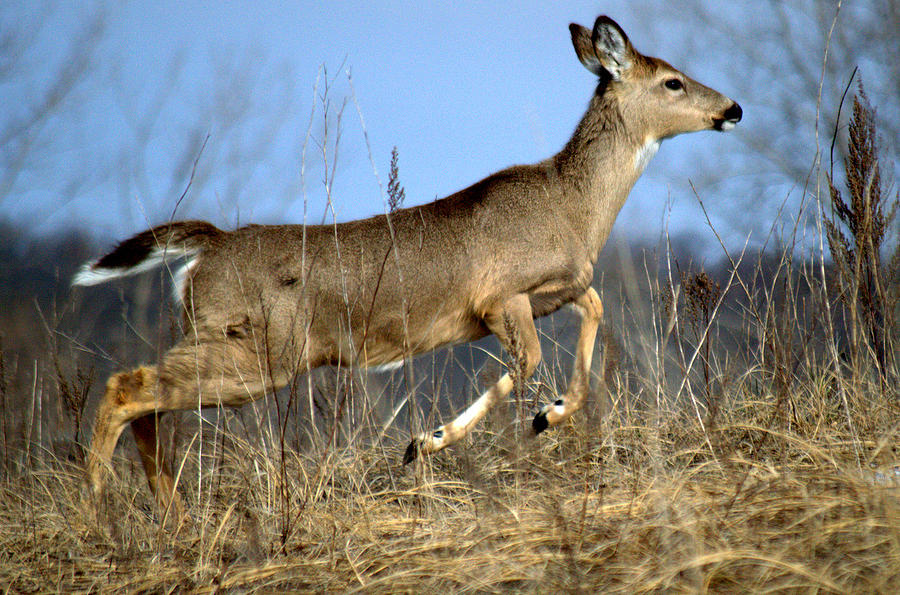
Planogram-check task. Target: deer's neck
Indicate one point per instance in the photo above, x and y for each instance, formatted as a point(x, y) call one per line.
point(599, 166)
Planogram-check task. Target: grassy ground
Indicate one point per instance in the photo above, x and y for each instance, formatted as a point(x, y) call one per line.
point(768, 496)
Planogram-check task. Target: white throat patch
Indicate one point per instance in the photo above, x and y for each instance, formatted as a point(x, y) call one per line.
point(644, 154)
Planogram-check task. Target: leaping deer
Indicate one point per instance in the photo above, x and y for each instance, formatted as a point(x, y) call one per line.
point(264, 303)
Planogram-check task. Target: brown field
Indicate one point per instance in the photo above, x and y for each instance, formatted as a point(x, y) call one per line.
point(765, 500)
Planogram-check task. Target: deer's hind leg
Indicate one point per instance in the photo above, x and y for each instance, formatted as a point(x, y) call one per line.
point(226, 372)
point(122, 389)
point(157, 466)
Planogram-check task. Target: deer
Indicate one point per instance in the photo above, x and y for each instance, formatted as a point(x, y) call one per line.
point(263, 303)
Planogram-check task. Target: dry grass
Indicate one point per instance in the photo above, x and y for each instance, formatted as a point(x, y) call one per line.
point(637, 503)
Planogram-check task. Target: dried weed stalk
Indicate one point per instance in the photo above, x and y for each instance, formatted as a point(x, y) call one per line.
point(856, 233)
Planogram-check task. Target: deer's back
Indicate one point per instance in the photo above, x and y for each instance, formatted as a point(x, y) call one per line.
point(437, 265)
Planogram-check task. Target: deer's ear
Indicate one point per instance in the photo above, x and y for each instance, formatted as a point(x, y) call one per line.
point(584, 48)
point(611, 47)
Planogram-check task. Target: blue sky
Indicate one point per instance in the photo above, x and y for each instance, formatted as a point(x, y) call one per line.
point(462, 89)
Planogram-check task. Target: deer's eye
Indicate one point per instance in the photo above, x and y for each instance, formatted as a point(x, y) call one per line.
point(674, 84)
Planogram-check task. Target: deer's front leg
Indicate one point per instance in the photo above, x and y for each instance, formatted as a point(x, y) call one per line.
point(591, 310)
point(518, 309)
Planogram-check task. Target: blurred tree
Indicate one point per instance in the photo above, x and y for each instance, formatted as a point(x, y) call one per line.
point(168, 136)
point(27, 126)
point(790, 92)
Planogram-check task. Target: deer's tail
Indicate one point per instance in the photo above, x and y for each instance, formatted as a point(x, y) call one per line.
point(150, 249)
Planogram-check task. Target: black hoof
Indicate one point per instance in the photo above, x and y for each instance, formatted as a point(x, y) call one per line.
point(539, 423)
point(412, 451)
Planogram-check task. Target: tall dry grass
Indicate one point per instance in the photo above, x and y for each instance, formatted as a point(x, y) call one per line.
point(645, 499)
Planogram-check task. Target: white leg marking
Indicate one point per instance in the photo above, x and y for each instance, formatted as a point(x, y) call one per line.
point(388, 367)
point(452, 432)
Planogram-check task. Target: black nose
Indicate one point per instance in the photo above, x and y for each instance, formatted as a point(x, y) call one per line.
point(734, 113)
